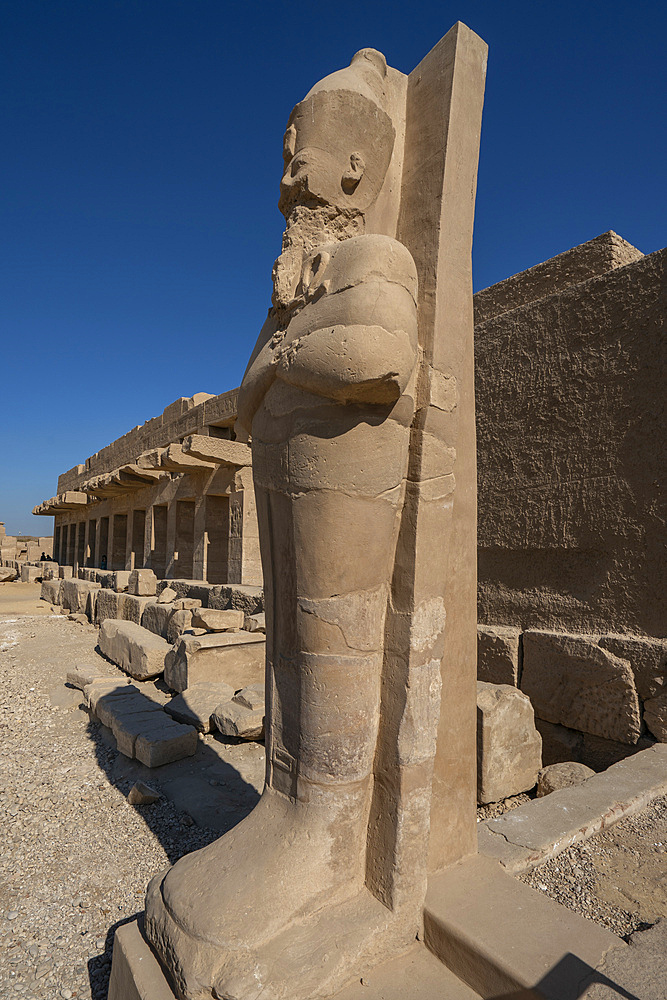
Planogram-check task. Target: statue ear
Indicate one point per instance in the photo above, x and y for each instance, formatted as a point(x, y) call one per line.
point(353, 174)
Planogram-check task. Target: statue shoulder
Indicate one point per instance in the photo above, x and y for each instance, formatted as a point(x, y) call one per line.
point(358, 260)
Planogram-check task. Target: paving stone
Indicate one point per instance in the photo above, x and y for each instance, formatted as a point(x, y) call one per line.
point(509, 747)
point(562, 775)
point(134, 649)
point(196, 705)
point(573, 681)
point(498, 654)
point(214, 620)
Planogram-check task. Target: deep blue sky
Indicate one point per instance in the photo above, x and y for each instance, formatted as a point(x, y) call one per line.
point(139, 179)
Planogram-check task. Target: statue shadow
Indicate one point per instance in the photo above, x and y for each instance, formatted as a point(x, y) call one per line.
point(570, 979)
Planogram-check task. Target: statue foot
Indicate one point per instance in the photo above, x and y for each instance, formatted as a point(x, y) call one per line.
point(277, 907)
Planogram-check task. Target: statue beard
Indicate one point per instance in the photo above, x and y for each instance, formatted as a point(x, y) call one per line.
point(307, 227)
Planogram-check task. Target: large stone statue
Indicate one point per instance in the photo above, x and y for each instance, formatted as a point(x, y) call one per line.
point(327, 875)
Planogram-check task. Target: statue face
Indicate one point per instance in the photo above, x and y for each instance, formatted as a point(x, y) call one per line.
point(337, 149)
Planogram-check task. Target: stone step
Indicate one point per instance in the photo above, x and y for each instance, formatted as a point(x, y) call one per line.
point(504, 939)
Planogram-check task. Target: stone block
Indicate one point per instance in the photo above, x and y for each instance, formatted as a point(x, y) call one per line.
point(143, 583)
point(655, 716)
point(132, 607)
point(178, 622)
point(51, 591)
point(562, 775)
point(65, 572)
point(165, 743)
point(134, 649)
point(233, 719)
point(142, 794)
point(196, 589)
point(250, 600)
point(123, 703)
point(108, 605)
point(647, 658)
point(509, 747)
point(121, 578)
point(167, 596)
point(99, 688)
point(7, 574)
point(79, 596)
point(156, 617)
point(214, 620)
point(236, 658)
point(498, 654)
point(196, 705)
point(127, 727)
point(30, 574)
point(573, 681)
point(50, 571)
point(255, 623)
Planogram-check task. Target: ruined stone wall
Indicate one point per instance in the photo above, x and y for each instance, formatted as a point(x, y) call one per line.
point(187, 415)
point(570, 436)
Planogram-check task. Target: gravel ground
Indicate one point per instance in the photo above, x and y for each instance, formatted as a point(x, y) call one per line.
point(76, 856)
point(617, 878)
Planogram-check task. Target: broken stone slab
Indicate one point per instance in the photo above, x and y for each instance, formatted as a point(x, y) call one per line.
point(248, 599)
point(655, 716)
point(498, 654)
point(573, 681)
point(142, 794)
point(509, 747)
point(647, 658)
point(142, 583)
point(252, 697)
point(236, 658)
point(121, 578)
point(234, 719)
point(167, 596)
point(165, 744)
point(214, 620)
point(255, 623)
point(51, 591)
point(79, 596)
point(7, 574)
point(563, 775)
point(84, 674)
point(134, 649)
point(79, 618)
point(541, 829)
point(178, 622)
point(196, 705)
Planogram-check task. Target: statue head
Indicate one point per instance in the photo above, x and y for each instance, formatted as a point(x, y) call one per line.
point(339, 140)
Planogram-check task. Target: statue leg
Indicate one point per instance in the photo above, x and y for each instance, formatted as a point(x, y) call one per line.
point(218, 914)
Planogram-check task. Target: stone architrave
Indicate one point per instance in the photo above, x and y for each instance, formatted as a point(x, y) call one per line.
point(359, 402)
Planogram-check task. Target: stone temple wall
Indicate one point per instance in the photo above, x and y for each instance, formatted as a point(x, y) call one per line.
point(570, 441)
point(571, 524)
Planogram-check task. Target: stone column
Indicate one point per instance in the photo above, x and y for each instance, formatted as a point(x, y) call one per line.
point(96, 554)
point(148, 537)
point(200, 546)
point(243, 561)
point(86, 541)
point(129, 555)
point(172, 507)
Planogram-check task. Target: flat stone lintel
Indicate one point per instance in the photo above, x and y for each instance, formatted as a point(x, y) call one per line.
point(218, 450)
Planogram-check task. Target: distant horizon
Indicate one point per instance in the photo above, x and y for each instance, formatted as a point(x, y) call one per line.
point(140, 214)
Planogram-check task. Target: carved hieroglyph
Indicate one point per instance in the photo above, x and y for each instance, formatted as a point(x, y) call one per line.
point(351, 464)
